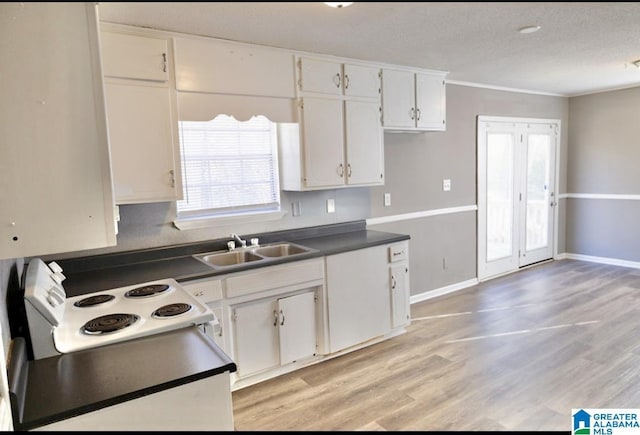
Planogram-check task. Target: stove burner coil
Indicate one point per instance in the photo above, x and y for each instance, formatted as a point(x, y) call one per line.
point(94, 300)
point(146, 291)
point(109, 323)
point(171, 310)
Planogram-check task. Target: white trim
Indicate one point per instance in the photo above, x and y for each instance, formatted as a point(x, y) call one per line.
point(503, 88)
point(604, 260)
point(516, 120)
point(562, 256)
point(629, 197)
point(420, 214)
point(599, 91)
point(443, 291)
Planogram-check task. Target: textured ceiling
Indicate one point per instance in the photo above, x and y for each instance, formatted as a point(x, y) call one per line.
point(582, 47)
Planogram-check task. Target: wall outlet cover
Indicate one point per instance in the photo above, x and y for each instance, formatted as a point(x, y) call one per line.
point(446, 185)
point(331, 205)
point(387, 199)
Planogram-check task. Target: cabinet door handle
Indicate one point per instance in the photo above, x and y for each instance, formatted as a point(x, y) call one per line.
point(164, 62)
point(418, 114)
point(393, 282)
point(173, 178)
point(346, 81)
point(348, 169)
point(341, 170)
point(412, 112)
point(337, 81)
point(282, 314)
point(275, 318)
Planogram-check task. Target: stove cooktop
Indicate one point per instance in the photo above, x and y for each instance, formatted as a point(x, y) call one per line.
point(125, 313)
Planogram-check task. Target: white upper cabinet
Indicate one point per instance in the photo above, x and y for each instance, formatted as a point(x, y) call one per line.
point(340, 142)
point(142, 118)
point(361, 81)
point(134, 57)
point(222, 67)
point(413, 100)
point(334, 78)
point(55, 182)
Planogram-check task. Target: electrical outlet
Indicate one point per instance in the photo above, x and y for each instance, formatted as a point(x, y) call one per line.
point(387, 199)
point(446, 185)
point(331, 205)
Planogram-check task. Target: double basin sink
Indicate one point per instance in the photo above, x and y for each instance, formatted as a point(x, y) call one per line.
point(252, 254)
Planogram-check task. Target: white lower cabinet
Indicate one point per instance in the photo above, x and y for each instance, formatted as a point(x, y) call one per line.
point(357, 296)
point(274, 331)
point(279, 318)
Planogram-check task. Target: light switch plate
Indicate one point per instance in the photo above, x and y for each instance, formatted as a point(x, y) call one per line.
point(331, 205)
point(446, 185)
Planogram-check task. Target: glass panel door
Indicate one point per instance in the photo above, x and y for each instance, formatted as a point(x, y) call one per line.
point(498, 228)
point(539, 197)
point(516, 179)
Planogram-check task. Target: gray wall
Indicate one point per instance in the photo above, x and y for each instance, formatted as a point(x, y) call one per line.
point(604, 152)
point(416, 164)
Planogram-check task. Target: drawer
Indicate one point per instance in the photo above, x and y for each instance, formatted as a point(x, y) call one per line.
point(398, 252)
point(273, 277)
point(204, 290)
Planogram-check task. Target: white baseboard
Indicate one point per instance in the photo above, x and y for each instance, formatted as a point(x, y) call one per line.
point(602, 260)
point(443, 290)
point(562, 256)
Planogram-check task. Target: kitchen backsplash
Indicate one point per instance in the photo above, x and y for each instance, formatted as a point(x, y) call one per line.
point(151, 225)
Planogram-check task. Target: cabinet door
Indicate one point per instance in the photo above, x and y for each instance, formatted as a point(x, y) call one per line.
point(142, 148)
point(357, 296)
point(430, 102)
point(320, 76)
point(399, 277)
point(365, 154)
point(55, 182)
point(323, 142)
point(361, 81)
point(134, 57)
point(398, 99)
point(256, 336)
point(297, 325)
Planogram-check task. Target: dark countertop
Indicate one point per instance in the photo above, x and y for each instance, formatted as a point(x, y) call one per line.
point(103, 272)
point(95, 378)
point(57, 388)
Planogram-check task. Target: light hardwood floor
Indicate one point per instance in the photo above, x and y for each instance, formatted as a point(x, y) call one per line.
point(510, 354)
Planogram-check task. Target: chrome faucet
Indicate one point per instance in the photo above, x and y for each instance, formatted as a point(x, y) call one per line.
point(243, 243)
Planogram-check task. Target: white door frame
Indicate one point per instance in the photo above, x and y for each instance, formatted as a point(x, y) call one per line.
point(517, 120)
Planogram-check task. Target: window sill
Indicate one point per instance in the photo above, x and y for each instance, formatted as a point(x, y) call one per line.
point(218, 221)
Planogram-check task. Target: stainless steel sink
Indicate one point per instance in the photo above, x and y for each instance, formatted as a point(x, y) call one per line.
point(226, 259)
point(251, 254)
point(281, 250)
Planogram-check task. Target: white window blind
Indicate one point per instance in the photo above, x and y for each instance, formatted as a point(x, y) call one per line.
point(229, 167)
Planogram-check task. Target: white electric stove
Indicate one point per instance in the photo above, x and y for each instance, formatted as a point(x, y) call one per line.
point(59, 325)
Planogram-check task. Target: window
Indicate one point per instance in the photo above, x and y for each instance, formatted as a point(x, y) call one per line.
point(229, 167)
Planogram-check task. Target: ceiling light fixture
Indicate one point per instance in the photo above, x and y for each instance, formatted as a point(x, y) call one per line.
point(338, 4)
point(529, 29)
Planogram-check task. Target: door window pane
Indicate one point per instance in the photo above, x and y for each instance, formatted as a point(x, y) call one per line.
point(538, 179)
point(499, 195)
